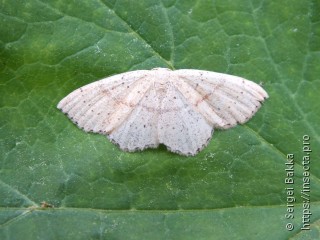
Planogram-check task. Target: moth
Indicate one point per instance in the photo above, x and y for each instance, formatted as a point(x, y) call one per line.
point(180, 109)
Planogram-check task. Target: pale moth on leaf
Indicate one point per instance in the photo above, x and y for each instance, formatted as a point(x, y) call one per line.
point(144, 108)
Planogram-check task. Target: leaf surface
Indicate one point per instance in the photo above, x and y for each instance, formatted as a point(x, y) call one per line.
point(234, 189)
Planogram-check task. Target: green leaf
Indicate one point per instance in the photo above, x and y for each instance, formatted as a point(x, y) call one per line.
point(234, 189)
